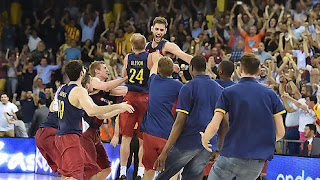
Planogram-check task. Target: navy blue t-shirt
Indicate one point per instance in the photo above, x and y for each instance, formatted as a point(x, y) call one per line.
point(101, 99)
point(68, 115)
point(163, 93)
point(225, 84)
point(51, 121)
point(138, 72)
point(198, 100)
point(28, 109)
point(251, 107)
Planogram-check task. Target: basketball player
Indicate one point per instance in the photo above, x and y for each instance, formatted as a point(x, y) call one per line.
point(71, 99)
point(137, 67)
point(158, 121)
point(159, 29)
point(90, 140)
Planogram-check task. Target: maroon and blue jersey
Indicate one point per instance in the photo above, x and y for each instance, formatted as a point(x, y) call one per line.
point(51, 121)
point(101, 99)
point(138, 72)
point(158, 48)
point(69, 116)
point(160, 116)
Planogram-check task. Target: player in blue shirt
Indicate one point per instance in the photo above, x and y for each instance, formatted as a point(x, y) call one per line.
point(196, 104)
point(158, 121)
point(255, 124)
point(225, 70)
point(71, 99)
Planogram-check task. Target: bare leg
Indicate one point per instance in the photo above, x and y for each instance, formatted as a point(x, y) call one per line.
point(102, 175)
point(148, 175)
point(125, 150)
point(140, 152)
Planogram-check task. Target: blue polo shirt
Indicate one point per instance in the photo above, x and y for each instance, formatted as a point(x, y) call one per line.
point(251, 107)
point(197, 99)
point(225, 84)
point(160, 116)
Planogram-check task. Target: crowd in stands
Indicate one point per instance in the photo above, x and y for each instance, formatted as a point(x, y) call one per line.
point(39, 37)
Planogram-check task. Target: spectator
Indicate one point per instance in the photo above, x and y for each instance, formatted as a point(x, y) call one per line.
point(12, 80)
point(8, 36)
point(262, 77)
point(253, 39)
point(72, 32)
point(262, 54)
point(39, 117)
point(34, 39)
point(40, 52)
point(309, 134)
point(3, 72)
point(72, 53)
point(28, 74)
point(237, 52)
point(88, 30)
point(28, 106)
point(86, 48)
point(8, 108)
point(130, 30)
point(46, 70)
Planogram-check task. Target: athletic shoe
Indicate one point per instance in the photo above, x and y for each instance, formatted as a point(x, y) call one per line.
point(123, 177)
point(138, 178)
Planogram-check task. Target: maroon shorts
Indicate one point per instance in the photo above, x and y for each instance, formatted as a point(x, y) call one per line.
point(45, 142)
point(92, 144)
point(76, 162)
point(152, 148)
point(127, 121)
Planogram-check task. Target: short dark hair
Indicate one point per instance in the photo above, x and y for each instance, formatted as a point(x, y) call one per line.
point(4, 94)
point(42, 101)
point(73, 69)
point(160, 20)
point(165, 66)
point(199, 63)
point(226, 67)
point(250, 63)
point(312, 127)
point(313, 98)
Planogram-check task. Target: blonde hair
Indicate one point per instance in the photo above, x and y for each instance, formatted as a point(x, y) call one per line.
point(165, 66)
point(160, 20)
point(138, 41)
point(93, 66)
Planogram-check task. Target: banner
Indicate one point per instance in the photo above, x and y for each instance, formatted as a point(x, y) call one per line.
point(293, 168)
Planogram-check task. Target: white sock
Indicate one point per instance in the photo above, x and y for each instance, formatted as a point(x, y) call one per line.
point(140, 171)
point(123, 170)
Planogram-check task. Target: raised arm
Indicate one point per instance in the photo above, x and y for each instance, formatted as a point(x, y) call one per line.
point(174, 49)
point(239, 23)
point(295, 102)
point(124, 68)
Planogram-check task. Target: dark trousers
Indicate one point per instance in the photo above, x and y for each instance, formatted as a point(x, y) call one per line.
point(293, 134)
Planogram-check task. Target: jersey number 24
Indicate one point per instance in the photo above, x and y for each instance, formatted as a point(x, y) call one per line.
point(134, 76)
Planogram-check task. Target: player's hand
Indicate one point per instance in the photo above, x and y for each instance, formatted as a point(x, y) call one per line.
point(159, 164)
point(205, 142)
point(126, 107)
point(115, 140)
point(156, 57)
point(176, 68)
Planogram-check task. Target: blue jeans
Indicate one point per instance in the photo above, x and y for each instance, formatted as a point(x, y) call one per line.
point(293, 134)
point(193, 161)
point(226, 168)
point(12, 84)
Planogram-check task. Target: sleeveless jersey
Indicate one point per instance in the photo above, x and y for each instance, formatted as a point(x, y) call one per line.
point(68, 115)
point(138, 72)
point(51, 120)
point(101, 99)
point(159, 47)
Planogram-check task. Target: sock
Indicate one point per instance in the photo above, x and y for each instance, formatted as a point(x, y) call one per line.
point(140, 171)
point(123, 170)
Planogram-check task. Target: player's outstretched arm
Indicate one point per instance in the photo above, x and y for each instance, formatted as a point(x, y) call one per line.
point(155, 59)
point(105, 86)
point(124, 68)
point(91, 108)
point(174, 49)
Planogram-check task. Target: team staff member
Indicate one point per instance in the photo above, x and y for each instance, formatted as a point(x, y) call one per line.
point(137, 67)
point(71, 99)
point(255, 123)
point(158, 121)
point(196, 102)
